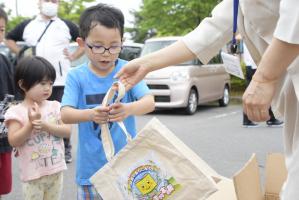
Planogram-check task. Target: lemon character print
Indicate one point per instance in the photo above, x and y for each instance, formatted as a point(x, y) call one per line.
point(52, 119)
point(146, 185)
point(34, 156)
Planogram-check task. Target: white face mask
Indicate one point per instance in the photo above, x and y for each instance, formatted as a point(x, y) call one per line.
point(49, 9)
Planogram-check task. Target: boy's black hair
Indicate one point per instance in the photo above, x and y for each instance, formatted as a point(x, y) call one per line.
point(3, 15)
point(102, 14)
point(33, 70)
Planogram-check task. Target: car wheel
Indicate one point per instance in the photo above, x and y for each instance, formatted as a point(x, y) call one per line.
point(224, 101)
point(192, 102)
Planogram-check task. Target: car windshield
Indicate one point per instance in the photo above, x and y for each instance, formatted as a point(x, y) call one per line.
point(129, 52)
point(153, 46)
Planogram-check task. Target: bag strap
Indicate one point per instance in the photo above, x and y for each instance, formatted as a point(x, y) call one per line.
point(235, 26)
point(40, 37)
point(105, 132)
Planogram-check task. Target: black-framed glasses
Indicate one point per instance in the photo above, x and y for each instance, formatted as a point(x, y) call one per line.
point(97, 49)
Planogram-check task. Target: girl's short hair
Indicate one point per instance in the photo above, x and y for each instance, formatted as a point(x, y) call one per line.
point(32, 70)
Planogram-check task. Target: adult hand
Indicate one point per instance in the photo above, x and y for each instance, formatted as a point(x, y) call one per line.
point(257, 100)
point(132, 73)
point(67, 54)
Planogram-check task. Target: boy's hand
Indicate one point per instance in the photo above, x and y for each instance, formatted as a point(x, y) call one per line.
point(34, 113)
point(100, 115)
point(118, 112)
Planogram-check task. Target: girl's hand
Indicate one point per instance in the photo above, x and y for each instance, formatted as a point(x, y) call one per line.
point(100, 115)
point(37, 125)
point(118, 112)
point(34, 112)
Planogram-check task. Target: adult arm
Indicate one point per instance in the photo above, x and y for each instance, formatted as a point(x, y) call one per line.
point(258, 96)
point(16, 35)
point(283, 49)
point(75, 55)
point(12, 45)
point(74, 32)
point(204, 42)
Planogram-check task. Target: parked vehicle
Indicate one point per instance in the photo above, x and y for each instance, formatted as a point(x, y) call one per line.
point(188, 84)
point(130, 50)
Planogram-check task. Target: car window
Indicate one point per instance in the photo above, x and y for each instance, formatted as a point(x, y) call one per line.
point(150, 47)
point(153, 46)
point(130, 52)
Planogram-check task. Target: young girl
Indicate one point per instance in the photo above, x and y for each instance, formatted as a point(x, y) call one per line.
point(36, 131)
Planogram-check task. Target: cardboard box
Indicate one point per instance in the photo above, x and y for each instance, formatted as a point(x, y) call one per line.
point(247, 181)
point(246, 184)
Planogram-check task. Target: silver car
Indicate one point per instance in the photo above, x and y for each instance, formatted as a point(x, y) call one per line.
point(188, 84)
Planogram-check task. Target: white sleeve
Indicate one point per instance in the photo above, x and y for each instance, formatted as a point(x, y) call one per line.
point(212, 33)
point(287, 28)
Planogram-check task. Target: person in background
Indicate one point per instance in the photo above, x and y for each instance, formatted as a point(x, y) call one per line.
point(36, 131)
point(264, 25)
point(250, 70)
point(56, 34)
point(6, 87)
point(101, 35)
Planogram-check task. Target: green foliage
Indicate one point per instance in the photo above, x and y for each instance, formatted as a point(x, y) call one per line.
point(14, 21)
point(169, 17)
point(72, 9)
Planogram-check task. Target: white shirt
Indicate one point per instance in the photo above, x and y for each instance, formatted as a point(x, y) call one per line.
point(247, 58)
point(56, 38)
point(258, 21)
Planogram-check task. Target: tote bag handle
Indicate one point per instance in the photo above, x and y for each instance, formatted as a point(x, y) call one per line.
point(119, 89)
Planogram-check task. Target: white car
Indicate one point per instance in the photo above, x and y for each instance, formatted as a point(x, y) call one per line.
point(188, 84)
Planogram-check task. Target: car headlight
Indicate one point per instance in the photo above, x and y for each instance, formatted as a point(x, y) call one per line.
point(178, 76)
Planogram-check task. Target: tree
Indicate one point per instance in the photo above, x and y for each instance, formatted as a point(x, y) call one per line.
point(169, 17)
point(72, 9)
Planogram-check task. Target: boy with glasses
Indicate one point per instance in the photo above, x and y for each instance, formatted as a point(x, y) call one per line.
point(101, 34)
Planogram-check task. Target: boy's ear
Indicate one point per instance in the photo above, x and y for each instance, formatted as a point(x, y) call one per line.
point(80, 42)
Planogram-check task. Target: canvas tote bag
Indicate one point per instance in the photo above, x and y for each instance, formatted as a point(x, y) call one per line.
point(155, 165)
